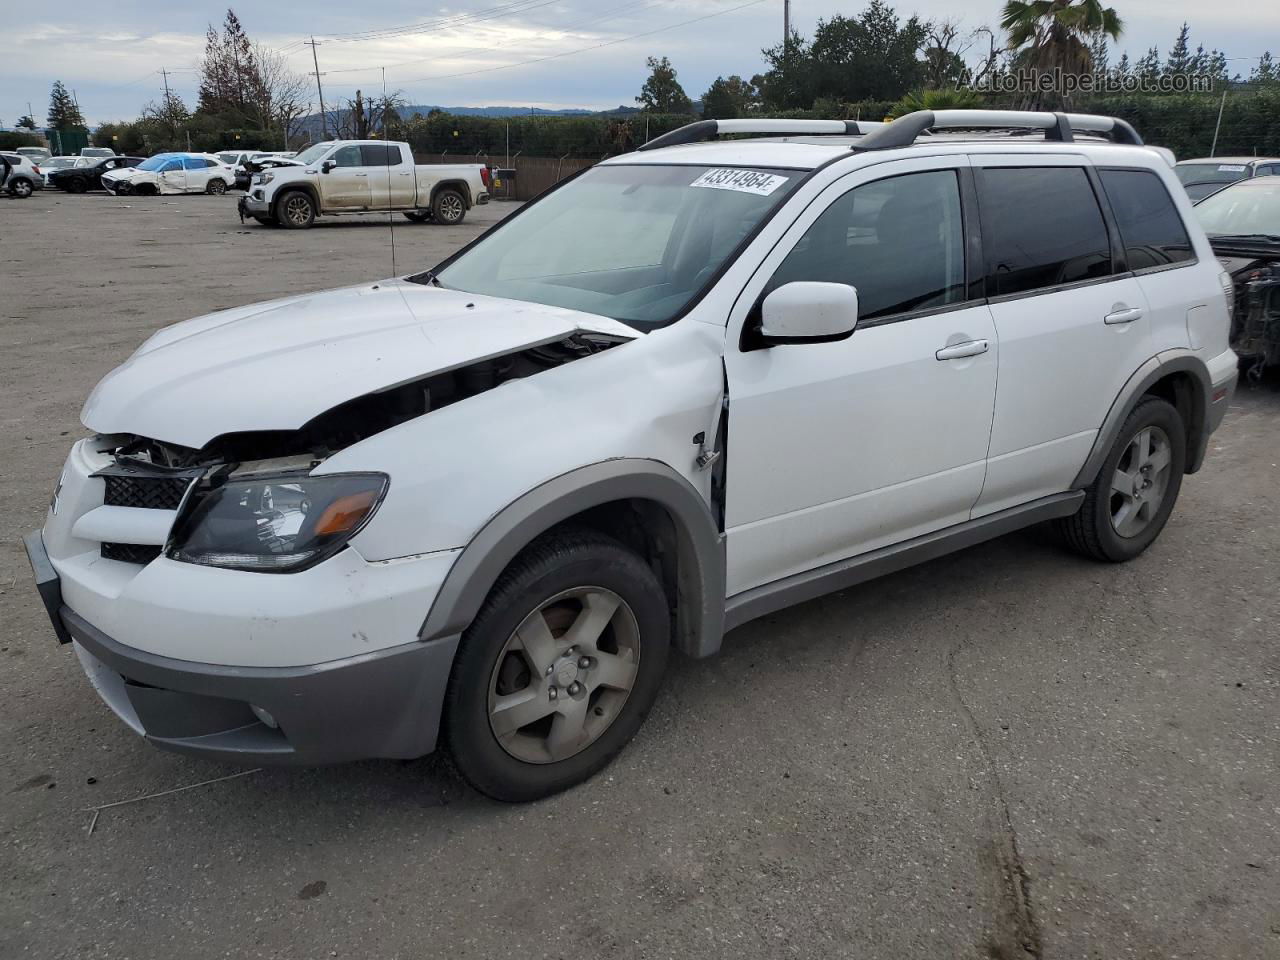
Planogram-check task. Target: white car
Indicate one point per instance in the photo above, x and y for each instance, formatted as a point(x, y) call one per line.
point(98, 152)
point(169, 173)
point(61, 163)
point(20, 177)
point(698, 383)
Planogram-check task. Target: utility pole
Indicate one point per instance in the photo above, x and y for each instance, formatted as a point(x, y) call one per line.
point(1218, 126)
point(324, 120)
point(164, 73)
point(786, 24)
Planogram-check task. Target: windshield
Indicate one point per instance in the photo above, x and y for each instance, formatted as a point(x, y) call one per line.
point(156, 162)
point(57, 163)
point(632, 242)
point(229, 159)
point(1210, 172)
point(314, 152)
point(1247, 208)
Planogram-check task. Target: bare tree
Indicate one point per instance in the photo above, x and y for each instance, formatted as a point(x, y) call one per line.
point(946, 51)
point(279, 98)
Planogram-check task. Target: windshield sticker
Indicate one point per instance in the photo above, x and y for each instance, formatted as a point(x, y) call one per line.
point(1231, 167)
point(744, 181)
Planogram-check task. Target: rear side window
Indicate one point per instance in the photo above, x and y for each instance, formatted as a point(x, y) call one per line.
point(379, 155)
point(1149, 224)
point(1041, 227)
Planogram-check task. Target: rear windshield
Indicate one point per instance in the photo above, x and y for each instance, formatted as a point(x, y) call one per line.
point(633, 242)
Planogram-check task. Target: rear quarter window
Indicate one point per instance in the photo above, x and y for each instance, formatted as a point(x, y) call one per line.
point(1150, 227)
point(1041, 227)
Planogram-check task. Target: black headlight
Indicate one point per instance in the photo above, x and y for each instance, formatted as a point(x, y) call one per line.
point(275, 524)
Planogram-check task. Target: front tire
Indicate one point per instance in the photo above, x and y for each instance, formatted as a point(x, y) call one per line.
point(216, 187)
point(448, 207)
point(296, 210)
point(559, 669)
point(77, 185)
point(1130, 500)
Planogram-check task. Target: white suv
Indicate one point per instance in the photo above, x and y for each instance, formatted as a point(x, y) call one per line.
point(693, 385)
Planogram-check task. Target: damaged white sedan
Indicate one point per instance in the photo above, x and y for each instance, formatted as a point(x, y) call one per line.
point(171, 173)
point(697, 383)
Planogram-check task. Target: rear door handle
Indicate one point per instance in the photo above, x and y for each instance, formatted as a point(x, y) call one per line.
point(361, 174)
point(958, 351)
point(1123, 315)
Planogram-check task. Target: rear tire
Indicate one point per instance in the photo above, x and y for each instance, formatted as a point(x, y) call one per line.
point(21, 188)
point(77, 185)
point(1130, 500)
point(216, 187)
point(448, 207)
point(417, 216)
point(532, 710)
point(295, 210)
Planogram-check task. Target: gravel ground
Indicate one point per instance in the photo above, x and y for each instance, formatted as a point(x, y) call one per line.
point(1007, 753)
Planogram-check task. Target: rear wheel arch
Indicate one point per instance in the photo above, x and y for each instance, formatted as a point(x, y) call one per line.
point(460, 186)
point(1181, 378)
point(643, 504)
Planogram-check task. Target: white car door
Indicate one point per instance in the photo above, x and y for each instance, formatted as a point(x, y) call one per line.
point(198, 173)
point(838, 448)
point(1071, 320)
point(172, 177)
point(345, 185)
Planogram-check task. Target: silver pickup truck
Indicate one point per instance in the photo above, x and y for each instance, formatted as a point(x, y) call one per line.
point(363, 176)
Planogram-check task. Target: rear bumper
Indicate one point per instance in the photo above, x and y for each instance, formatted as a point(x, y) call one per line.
point(383, 704)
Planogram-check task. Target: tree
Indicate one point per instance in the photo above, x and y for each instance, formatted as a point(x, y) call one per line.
point(230, 78)
point(872, 56)
point(165, 119)
point(1123, 68)
point(662, 92)
point(727, 98)
point(938, 99)
point(944, 50)
point(1265, 70)
point(64, 114)
point(1054, 34)
point(1099, 54)
point(278, 98)
point(1148, 66)
point(26, 122)
point(1180, 60)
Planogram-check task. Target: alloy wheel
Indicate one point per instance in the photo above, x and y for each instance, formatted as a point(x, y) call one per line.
point(564, 675)
point(1140, 481)
point(297, 209)
point(451, 209)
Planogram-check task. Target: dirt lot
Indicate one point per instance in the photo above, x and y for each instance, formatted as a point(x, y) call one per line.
point(1007, 753)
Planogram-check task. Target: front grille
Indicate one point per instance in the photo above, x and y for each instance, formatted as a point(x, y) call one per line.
point(130, 552)
point(154, 493)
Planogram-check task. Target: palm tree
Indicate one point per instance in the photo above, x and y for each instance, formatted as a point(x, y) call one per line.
point(1055, 34)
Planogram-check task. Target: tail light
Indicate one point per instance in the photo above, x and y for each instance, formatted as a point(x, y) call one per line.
point(1228, 291)
point(484, 175)
point(35, 168)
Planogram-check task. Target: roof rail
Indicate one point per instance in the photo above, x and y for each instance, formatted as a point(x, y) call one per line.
point(1056, 126)
point(706, 129)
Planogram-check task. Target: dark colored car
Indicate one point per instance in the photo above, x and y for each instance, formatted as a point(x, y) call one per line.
point(1243, 224)
point(1208, 175)
point(80, 179)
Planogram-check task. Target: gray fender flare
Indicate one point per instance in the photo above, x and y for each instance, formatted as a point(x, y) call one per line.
point(700, 546)
point(1154, 370)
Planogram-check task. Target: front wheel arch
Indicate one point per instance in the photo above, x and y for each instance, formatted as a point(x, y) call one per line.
point(690, 556)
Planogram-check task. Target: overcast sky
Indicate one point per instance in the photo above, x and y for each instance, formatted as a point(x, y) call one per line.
point(110, 53)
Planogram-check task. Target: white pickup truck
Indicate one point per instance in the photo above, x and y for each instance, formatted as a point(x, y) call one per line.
point(363, 176)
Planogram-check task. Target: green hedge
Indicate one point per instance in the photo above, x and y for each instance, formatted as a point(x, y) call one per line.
point(1185, 122)
point(13, 139)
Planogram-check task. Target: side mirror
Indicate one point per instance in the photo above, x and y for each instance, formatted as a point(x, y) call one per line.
point(808, 311)
point(328, 165)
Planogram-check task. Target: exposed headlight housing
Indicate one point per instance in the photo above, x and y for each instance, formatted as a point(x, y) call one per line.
point(263, 177)
point(279, 523)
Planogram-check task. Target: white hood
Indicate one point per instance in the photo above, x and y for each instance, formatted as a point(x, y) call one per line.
point(276, 365)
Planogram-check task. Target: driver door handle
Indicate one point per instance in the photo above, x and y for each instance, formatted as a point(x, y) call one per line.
point(1123, 315)
point(361, 174)
point(958, 351)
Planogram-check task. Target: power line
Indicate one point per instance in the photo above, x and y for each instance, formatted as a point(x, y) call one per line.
point(324, 122)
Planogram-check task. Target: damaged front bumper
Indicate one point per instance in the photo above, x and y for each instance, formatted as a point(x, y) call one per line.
point(385, 703)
